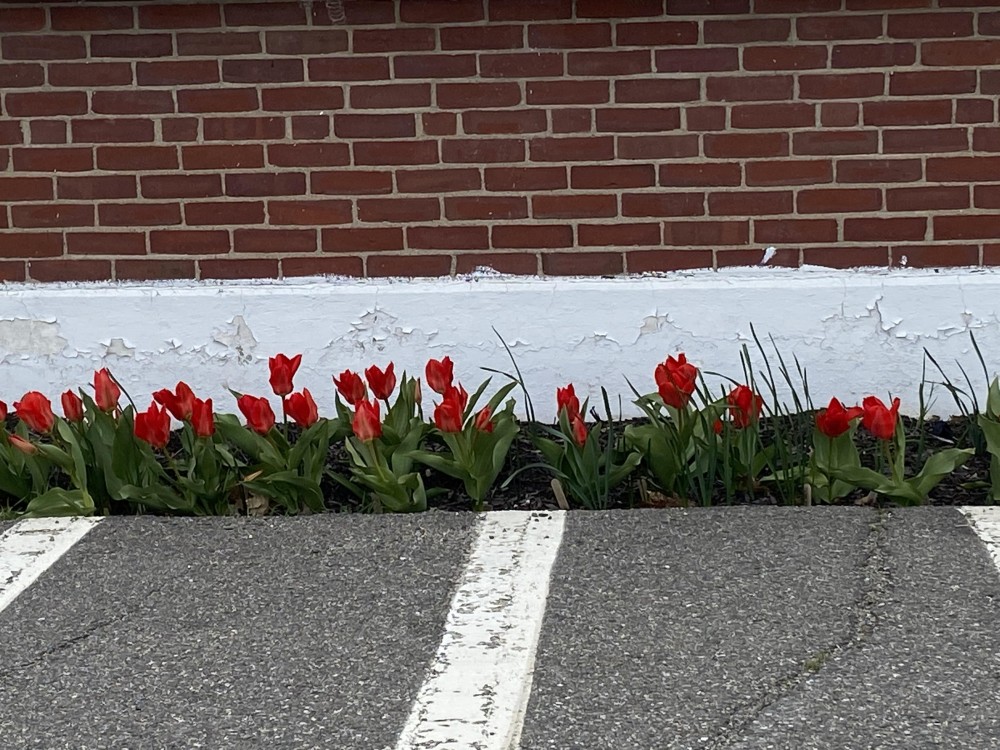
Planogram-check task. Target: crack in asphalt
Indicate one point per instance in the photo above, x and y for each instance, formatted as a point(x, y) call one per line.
point(876, 581)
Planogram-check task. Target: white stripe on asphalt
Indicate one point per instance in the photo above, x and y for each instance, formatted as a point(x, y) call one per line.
point(28, 548)
point(985, 521)
point(477, 690)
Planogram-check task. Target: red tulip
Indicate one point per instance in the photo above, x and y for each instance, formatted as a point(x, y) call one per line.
point(258, 412)
point(579, 429)
point(459, 394)
point(566, 399)
point(72, 406)
point(744, 405)
point(302, 408)
point(878, 419)
point(717, 426)
point(202, 418)
point(675, 381)
point(367, 422)
point(439, 374)
point(381, 383)
point(835, 419)
point(484, 421)
point(351, 387)
point(3, 410)
point(153, 425)
point(180, 402)
point(282, 371)
point(106, 391)
point(25, 446)
point(35, 411)
point(448, 414)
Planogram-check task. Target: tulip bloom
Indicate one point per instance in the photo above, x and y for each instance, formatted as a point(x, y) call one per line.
point(282, 371)
point(448, 414)
point(26, 447)
point(258, 412)
point(3, 410)
point(879, 419)
point(180, 402)
point(835, 419)
point(367, 422)
point(675, 381)
point(72, 406)
point(302, 408)
point(484, 420)
point(566, 399)
point(35, 411)
point(440, 374)
point(153, 425)
point(744, 405)
point(351, 387)
point(106, 391)
point(202, 418)
point(381, 383)
point(459, 394)
point(579, 429)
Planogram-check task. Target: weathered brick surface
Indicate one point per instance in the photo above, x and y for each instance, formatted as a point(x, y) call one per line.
point(220, 139)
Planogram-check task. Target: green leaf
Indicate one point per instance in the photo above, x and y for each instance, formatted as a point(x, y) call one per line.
point(60, 502)
point(937, 467)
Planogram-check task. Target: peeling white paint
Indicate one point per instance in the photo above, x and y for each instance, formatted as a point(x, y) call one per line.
point(855, 331)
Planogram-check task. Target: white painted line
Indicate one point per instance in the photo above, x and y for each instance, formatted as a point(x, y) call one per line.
point(31, 546)
point(985, 521)
point(477, 690)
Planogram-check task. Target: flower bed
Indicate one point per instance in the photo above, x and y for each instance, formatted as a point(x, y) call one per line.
point(383, 453)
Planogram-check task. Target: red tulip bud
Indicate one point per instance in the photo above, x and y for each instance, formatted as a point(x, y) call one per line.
point(744, 405)
point(835, 419)
point(153, 426)
point(26, 447)
point(283, 369)
point(484, 422)
point(106, 391)
point(381, 383)
point(351, 387)
point(302, 408)
point(878, 419)
point(72, 406)
point(675, 381)
point(35, 411)
point(439, 374)
point(180, 402)
point(566, 399)
point(579, 429)
point(258, 413)
point(367, 423)
point(202, 418)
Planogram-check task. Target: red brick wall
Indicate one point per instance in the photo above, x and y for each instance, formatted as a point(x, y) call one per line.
point(425, 137)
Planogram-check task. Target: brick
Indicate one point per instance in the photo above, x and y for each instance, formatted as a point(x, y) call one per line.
point(927, 198)
point(391, 153)
point(573, 120)
point(985, 139)
point(468, 95)
point(448, 238)
point(309, 212)
point(265, 183)
point(835, 142)
point(476, 38)
point(657, 146)
point(605, 235)
point(986, 196)
point(83, 18)
point(393, 40)
point(521, 65)
point(189, 242)
point(31, 244)
point(936, 256)
point(238, 268)
point(974, 110)
point(739, 31)
point(961, 169)
point(90, 74)
point(838, 28)
point(174, 72)
point(311, 128)
point(839, 114)
point(989, 24)
point(496, 122)
point(265, 14)
point(223, 156)
point(42, 103)
point(30, 216)
point(308, 154)
point(846, 257)
point(567, 92)
point(181, 186)
point(540, 10)
point(131, 102)
point(928, 25)
point(924, 140)
point(434, 66)
point(23, 75)
point(872, 55)
point(43, 47)
point(932, 82)
point(794, 57)
point(302, 98)
point(532, 236)
point(437, 180)
point(655, 261)
point(359, 239)
point(789, 172)
point(572, 148)
point(105, 243)
point(688, 233)
point(617, 63)
point(700, 175)
point(217, 100)
point(25, 189)
point(522, 264)
point(879, 170)
point(399, 210)
point(794, 231)
point(387, 96)
point(573, 206)
point(601, 9)
point(47, 131)
point(966, 227)
point(882, 230)
point(439, 11)
point(299, 42)
point(708, 7)
point(749, 88)
point(834, 200)
point(139, 214)
point(908, 112)
point(350, 182)
point(154, 269)
point(62, 270)
point(784, 257)
point(845, 86)
point(692, 60)
point(612, 177)
point(268, 70)
point(374, 126)
point(569, 35)
point(482, 150)
point(772, 116)
point(704, 118)
point(750, 203)
point(179, 129)
point(463, 208)
point(243, 128)
point(98, 187)
point(989, 81)
point(439, 123)
point(131, 45)
point(179, 16)
point(582, 264)
point(312, 265)
point(637, 120)
point(136, 158)
point(409, 265)
point(524, 178)
point(357, 13)
point(224, 212)
point(22, 19)
point(663, 204)
point(34, 159)
point(656, 33)
point(648, 90)
point(736, 145)
point(967, 53)
point(10, 132)
point(218, 44)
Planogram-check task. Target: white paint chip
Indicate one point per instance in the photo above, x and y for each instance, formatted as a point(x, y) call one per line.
point(476, 692)
point(985, 521)
point(31, 546)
